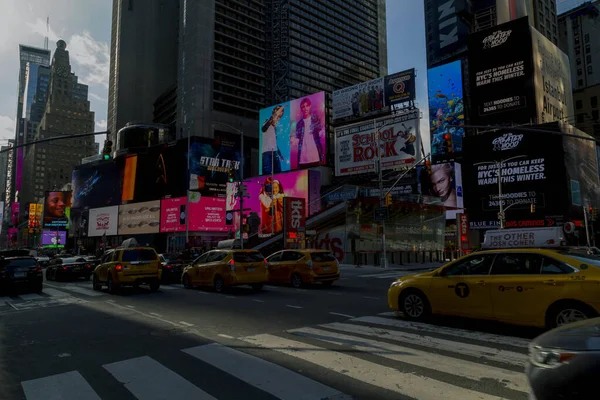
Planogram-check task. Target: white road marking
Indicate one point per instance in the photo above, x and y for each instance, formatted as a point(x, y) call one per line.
point(371, 298)
point(147, 379)
point(155, 314)
point(271, 287)
point(387, 275)
point(185, 323)
point(258, 301)
point(128, 306)
point(81, 290)
point(271, 378)
point(408, 384)
point(473, 350)
point(55, 293)
point(342, 315)
point(32, 296)
point(301, 290)
point(290, 306)
point(450, 365)
point(70, 385)
point(223, 335)
point(463, 333)
point(169, 287)
point(112, 302)
point(389, 314)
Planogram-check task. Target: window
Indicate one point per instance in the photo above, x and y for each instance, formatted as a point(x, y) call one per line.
point(586, 38)
point(478, 264)
point(551, 266)
point(248, 256)
point(216, 256)
point(275, 257)
point(580, 82)
point(578, 61)
point(590, 69)
point(579, 104)
point(291, 256)
point(588, 59)
point(588, 49)
point(594, 101)
point(595, 115)
point(579, 72)
point(202, 259)
point(323, 257)
point(517, 264)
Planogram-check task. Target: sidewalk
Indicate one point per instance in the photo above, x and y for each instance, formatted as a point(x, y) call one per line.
point(392, 267)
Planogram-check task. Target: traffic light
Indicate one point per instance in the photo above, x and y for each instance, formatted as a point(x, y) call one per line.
point(388, 199)
point(594, 212)
point(532, 208)
point(428, 166)
point(231, 175)
point(448, 142)
point(107, 150)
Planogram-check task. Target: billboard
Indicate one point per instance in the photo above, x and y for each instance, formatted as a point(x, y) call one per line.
point(54, 238)
point(446, 109)
point(129, 177)
point(35, 216)
point(374, 97)
point(15, 209)
point(103, 221)
point(294, 210)
point(206, 214)
point(1, 215)
point(444, 182)
point(266, 198)
point(139, 218)
point(356, 146)
point(79, 225)
point(446, 30)
point(529, 173)
point(293, 135)
point(57, 209)
point(96, 185)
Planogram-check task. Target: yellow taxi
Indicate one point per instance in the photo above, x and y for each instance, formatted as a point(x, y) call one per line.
point(223, 268)
point(542, 287)
point(298, 267)
point(128, 267)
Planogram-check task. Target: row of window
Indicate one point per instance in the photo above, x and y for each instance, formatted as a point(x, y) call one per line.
point(508, 264)
point(593, 103)
point(340, 64)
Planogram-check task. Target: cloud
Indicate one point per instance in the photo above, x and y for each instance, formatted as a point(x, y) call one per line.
point(92, 58)
point(39, 27)
point(101, 125)
point(96, 97)
point(7, 127)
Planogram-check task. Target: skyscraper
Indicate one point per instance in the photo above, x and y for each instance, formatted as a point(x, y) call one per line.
point(143, 59)
point(35, 94)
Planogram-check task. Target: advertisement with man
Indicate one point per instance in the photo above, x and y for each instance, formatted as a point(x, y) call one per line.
point(292, 135)
point(206, 214)
point(139, 218)
point(57, 209)
point(96, 185)
point(103, 221)
point(446, 110)
point(530, 174)
point(501, 74)
point(356, 146)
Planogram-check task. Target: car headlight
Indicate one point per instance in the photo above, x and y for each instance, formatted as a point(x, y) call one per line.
point(395, 283)
point(549, 358)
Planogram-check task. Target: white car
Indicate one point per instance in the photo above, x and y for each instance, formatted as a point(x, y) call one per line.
point(43, 260)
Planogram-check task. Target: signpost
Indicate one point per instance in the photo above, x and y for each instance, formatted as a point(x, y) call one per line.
point(381, 214)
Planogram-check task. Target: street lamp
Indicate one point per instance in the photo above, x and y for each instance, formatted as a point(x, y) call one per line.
point(499, 165)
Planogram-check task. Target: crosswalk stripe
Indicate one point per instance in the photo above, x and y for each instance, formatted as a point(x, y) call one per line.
point(32, 296)
point(147, 379)
point(84, 291)
point(466, 369)
point(169, 287)
point(473, 350)
point(408, 384)
point(55, 293)
point(385, 275)
point(447, 331)
point(67, 386)
point(269, 377)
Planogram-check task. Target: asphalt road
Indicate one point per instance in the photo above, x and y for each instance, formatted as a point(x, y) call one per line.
point(312, 343)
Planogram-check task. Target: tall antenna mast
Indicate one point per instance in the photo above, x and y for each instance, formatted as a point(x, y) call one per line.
point(47, 32)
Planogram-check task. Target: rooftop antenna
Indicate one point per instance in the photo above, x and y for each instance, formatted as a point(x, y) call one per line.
point(47, 32)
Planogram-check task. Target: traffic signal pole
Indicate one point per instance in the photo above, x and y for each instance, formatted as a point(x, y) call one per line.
point(587, 231)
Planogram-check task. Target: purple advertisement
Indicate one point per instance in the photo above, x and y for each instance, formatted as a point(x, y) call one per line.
point(15, 208)
point(54, 238)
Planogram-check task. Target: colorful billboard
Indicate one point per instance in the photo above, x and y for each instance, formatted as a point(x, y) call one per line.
point(139, 218)
point(54, 238)
point(103, 221)
point(444, 182)
point(374, 97)
point(293, 135)
point(266, 198)
point(446, 110)
point(356, 145)
point(35, 216)
point(79, 223)
point(206, 214)
point(96, 185)
point(14, 210)
point(57, 210)
point(294, 210)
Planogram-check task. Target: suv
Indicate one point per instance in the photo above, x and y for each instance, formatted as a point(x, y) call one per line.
point(23, 270)
point(128, 267)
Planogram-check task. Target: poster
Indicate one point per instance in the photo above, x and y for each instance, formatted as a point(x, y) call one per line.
point(139, 218)
point(103, 221)
point(206, 214)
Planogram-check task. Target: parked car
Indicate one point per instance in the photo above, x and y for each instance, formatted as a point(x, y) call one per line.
point(43, 260)
point(68, 268)
point(172, 267)
point(298, 267)
point(20, 271)
point(126, 266)
point(565, 362)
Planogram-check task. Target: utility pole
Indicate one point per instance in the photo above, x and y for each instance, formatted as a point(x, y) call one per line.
point(587, 232)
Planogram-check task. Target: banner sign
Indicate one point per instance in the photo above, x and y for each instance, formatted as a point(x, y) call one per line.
point(356, 146)
point(295, 214)
point(103, 221)
point(462, 221)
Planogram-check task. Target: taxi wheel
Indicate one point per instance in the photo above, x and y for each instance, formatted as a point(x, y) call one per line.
point(218, 284)
point(414, 305)
point(568, 312)
point(154, 286)
point(186, 282)
point(97, 286)
point(113, 288)
point(296, 281)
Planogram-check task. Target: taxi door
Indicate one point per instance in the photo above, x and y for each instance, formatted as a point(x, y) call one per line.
point(107, 261)
point(274, 261)
point(463, 287)
point(289, 263)
point(196, 275)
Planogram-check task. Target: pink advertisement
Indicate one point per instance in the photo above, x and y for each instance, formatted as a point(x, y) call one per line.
point(266, 198)
point(207, 214)
point(15, 208)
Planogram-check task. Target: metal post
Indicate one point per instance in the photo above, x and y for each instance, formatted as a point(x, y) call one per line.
point(501, 212)
point(239, 189)
point(587, 232)
point(187, 196)
point(384, 262)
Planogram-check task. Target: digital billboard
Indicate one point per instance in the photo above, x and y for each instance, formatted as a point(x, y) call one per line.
point(266, 198)
point(54, 238)
point(14, 213)
point(446, 110)
point(293, 135)
point(96, 185)
point(444, 182)
point(35, 216)
point(79, 225)
point(356, 145)
point(103, 221)
point(374, 97)
point(57, 209)
point(206, 214)
point(446, 30)
point(139, 218)
point(129, 175)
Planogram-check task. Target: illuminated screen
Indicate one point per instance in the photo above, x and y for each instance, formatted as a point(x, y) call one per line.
point(57, 209)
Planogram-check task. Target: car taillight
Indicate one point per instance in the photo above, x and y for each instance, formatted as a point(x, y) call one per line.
point(118, 267)
point(64, 268)
point(37, 269)
point(169, 267)
point(266, 264)
point(231, 265)
point(89, 266)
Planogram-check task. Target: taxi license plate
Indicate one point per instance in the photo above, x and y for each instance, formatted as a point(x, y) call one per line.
point(20, 274)
point(250, 269)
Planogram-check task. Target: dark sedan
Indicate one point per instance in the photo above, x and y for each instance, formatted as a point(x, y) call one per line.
point(565, 362)
point(172, 267)
point(20, 271)
point(69, 268)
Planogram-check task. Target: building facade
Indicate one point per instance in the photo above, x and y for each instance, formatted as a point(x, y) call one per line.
point(143, 59)
point(3, 170)
point(49, 165)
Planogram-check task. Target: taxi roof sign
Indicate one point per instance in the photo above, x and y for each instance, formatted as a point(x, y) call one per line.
point(518, 238)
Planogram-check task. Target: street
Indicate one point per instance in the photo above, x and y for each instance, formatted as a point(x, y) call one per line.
point(71, 342)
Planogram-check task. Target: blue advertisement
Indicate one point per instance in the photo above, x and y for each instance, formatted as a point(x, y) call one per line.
point(275, 139)
point(446, 110)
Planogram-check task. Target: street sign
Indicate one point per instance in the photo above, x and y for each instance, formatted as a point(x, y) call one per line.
point(381, 214)
point(501, 215)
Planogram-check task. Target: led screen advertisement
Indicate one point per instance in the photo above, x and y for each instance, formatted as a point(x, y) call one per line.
point(14, 216)
point(356, 146)
point(529, 173)
point(206, 214)
point(139, 218)
point(57, 209)
point(292, 135)
point(96, 185)
point(79, 223)
point(103, 221)
point(267, 194)
point(445, 183)
point(35, 216)
point(54, 238)
point(446, 110)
